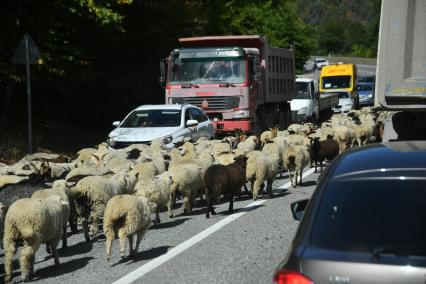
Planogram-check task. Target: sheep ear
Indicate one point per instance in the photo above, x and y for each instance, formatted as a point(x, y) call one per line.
point(2, 206)
point(71, 183)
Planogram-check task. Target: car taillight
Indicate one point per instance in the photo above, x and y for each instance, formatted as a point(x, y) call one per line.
point(290, 277)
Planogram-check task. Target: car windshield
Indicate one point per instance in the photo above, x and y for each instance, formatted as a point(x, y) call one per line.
point(364, 88)
point(366, 79)
point(320, 60)
point(153, 118)
point(367, 213)
point(336, 82)
point(207, 70)
point(302, 90)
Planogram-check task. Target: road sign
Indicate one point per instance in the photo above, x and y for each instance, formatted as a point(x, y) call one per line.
point(27, 53)
point(34, 55)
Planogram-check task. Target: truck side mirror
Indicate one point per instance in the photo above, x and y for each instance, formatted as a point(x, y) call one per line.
point(162, 78)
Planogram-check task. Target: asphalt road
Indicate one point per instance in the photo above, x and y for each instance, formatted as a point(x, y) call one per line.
point(244, 247)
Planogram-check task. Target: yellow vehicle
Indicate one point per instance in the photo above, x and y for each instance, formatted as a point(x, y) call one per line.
point(339, 77)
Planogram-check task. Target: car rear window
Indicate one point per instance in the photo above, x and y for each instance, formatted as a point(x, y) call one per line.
point(363, 214)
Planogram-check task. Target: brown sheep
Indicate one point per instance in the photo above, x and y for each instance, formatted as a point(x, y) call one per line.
point(322, 150)
point(227, 180)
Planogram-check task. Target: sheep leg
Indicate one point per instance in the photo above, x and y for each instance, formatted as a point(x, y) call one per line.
point(27, 253)
point(321, 165)
point(140, 235)
point(291, 178)
point(269, 186)
point(170, 205)
point(131, 251)
point(54, 252)
point(257, 185)
point(231, 203)
point(316, 166)
point(48, 251)
point(64, 237)
point(157, 216)
point(9, 252)
point(85, 226)
point(109, 238)
point(122, 238)
point(300, 176)
point(73, 217)
point(95, 222)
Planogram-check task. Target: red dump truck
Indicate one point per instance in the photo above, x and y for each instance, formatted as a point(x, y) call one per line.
point(241, 82)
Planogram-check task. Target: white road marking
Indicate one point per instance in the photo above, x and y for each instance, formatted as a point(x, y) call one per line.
point(156, 262)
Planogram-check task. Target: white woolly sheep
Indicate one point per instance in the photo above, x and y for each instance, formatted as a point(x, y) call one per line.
point(296, 158)
point(59, 189)
point(187, 179)
point(158, 191)
point(92, 193)
point(126, 215)
point(6, 180)
point(34, 221)
point(262, 167)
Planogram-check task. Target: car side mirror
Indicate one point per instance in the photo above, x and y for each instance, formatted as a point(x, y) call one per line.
point(191, 122)
point(116, 123)
point(298, 209)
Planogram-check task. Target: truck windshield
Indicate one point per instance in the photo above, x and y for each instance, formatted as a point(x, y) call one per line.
point(207, 70)
point(336, 82)
point(302, 91)
point(153, 118)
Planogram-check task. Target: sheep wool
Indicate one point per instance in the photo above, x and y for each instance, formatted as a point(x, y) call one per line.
point(35, 221)
point(126, 215)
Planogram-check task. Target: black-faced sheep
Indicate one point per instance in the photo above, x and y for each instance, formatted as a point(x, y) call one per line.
point(224, 179)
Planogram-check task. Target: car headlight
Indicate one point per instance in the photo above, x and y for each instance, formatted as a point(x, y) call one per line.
point(303, 110)
point(348, 105)
point(167, 139)
point(370, 95)
point(241, 114)
point(111, 142)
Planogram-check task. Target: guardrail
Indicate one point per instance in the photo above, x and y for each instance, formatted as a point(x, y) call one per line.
point(356, 60)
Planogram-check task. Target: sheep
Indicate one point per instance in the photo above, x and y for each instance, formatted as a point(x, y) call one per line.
point(224, 179)
point(295, 158)
point(248, 145)
point(268, 135)
point(92, 193)
point(126, 215)
point(225, 159)
point(188, 151)
point(59, 170)
point(261, 167)
point(11, 179)
point(119, 164)
point(157, 190)
point(294, 127)
point(84, 156)
point(26, 168)
point(60, 189)
point(34, 221)
point(321, 150)
point(295, 139)
point(187, 179)
point(46, 157)
point(344, 136)
point(221, 148)
point(78, 173)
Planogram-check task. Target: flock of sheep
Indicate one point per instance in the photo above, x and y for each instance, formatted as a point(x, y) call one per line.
point(124, 187)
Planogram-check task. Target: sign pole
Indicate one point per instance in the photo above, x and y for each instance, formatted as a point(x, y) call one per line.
point(30, 130)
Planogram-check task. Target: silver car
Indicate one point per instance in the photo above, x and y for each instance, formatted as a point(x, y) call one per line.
point(170, 123)
point(366, 220)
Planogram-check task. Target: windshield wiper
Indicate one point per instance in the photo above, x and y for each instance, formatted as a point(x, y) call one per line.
point(418, 249)
point(226, 85)
point(189, 85)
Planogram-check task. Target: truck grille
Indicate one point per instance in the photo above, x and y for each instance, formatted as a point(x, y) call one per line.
point(214, 103)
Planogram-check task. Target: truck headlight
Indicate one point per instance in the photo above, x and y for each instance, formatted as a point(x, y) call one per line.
point(303, 110)
point(167, 140)
point(241, 114)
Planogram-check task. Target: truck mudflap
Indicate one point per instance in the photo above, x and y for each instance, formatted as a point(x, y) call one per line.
point(222, 126)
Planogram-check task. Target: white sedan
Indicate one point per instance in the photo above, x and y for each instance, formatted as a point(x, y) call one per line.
point(346, 103)
point(171, 123)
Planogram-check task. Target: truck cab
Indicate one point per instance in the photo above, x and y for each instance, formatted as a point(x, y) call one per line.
point(308, 104)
